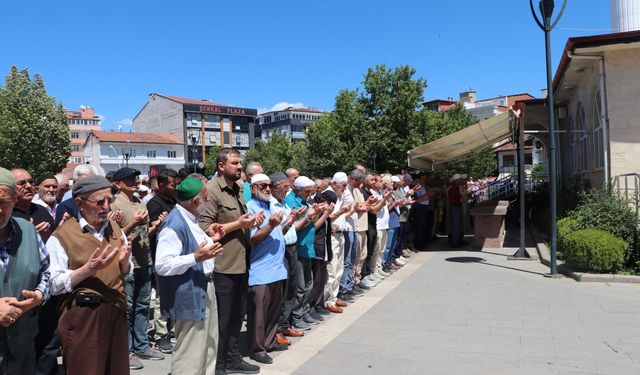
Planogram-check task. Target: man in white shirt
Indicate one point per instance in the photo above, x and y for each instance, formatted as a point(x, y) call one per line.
point(184, 263)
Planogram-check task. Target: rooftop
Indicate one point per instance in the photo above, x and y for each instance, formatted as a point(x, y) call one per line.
point(123, 137)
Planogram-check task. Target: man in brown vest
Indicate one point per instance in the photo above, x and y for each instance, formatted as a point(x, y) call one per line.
point(90, 257)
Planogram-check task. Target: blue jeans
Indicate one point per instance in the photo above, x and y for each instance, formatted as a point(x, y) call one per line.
point(392, 236)
point(137, 287)
point(401, 239)
point(350, 252)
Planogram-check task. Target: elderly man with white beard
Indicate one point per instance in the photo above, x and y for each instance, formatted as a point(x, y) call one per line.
point(47, 196)
point(266, 272)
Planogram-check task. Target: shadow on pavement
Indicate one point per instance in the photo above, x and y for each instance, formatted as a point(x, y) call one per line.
point(483, 261)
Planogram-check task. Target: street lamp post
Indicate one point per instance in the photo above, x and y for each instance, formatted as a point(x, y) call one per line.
point(546, 10)
point(126, 154)
point(194, 142)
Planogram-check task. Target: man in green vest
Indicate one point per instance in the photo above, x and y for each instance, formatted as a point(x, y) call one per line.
point(24, 269)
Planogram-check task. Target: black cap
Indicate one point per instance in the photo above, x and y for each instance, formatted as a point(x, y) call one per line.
point(328, 195)
point(125, 172)
point(45, 177)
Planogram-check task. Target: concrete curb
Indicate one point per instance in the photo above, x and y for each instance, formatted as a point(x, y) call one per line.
point(564, 269)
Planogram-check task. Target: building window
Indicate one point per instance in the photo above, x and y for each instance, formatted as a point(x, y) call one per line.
point(171, 154)
point(598, 132)
point(151, 153)
point(76, 148)
point(75, 135)
point(582, 133)
point(76, 160)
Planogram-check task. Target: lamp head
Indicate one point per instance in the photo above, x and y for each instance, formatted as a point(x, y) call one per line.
point(546, 8)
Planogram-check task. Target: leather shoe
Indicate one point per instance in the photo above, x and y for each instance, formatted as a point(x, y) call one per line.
point(341, 303)
point(262, 358)
point(335, 309)
point(279, 348)
point(281, 340)
point(292, 332)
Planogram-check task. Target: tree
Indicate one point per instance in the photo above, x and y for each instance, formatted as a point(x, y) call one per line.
point(210, 167)
point(275, 155)
point(378, 125)
point(33, 126)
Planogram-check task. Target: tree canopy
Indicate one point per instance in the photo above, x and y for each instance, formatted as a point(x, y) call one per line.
point(33, 126)
point(377, 125)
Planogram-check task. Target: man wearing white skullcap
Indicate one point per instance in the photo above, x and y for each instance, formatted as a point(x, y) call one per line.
point(303, 187)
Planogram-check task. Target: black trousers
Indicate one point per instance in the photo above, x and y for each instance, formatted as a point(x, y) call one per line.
point(320, 277)
point(422, 234)
point(47, 342)
point(231, 296)
point(294, 282)
point(372, 237)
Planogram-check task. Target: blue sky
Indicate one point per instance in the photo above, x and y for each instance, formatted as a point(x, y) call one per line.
point(111, 54)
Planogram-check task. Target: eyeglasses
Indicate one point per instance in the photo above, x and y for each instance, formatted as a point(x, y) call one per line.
point(262, 186)
point(101, 201)
point(24, 182)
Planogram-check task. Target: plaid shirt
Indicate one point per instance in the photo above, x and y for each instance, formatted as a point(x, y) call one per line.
point(43, 277)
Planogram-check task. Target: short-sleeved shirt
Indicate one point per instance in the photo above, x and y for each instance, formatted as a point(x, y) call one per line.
point(141, 255)
point(266, 261)
point(361, 224)
point(225, 205)
point(351, 221)
point(394, 214)
point(371, 216)
point(306, 235)
point(290, 238)
point(382, 216)
point(403, 210)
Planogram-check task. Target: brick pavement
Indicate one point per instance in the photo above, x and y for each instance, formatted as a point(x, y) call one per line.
point(465, 312)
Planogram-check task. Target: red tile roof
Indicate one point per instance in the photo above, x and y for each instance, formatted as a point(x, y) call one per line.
point(137, 137)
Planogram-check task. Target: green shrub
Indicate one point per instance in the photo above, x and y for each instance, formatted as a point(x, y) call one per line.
point(604, 210)
point(565, 226)
point(594, 249)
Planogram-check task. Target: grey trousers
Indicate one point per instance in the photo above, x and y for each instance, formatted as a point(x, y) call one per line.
point(304, 289)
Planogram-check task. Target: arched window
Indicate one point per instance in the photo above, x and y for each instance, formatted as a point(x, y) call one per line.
point(598, 131)
point(582, 133)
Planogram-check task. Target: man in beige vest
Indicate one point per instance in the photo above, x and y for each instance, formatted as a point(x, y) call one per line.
point(90, 257)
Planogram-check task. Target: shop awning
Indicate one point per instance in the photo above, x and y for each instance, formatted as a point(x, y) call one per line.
point(463, 143)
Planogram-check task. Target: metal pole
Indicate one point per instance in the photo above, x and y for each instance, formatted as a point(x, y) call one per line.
point(553, 178)
point(522, 253)
point(546, 8)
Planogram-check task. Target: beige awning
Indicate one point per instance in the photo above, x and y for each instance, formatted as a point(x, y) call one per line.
point(463, 143)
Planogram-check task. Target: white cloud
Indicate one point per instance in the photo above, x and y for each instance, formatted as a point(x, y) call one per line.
point(124, 122)
point(101, 117)
point(280, 106)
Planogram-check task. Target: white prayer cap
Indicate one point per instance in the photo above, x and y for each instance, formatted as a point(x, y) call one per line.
point(395, 179)
point(455, 177)
point(339, 177)
point(259, 178)
point(303, 181)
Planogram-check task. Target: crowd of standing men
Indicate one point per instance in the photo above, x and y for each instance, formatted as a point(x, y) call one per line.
point(83, 267)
